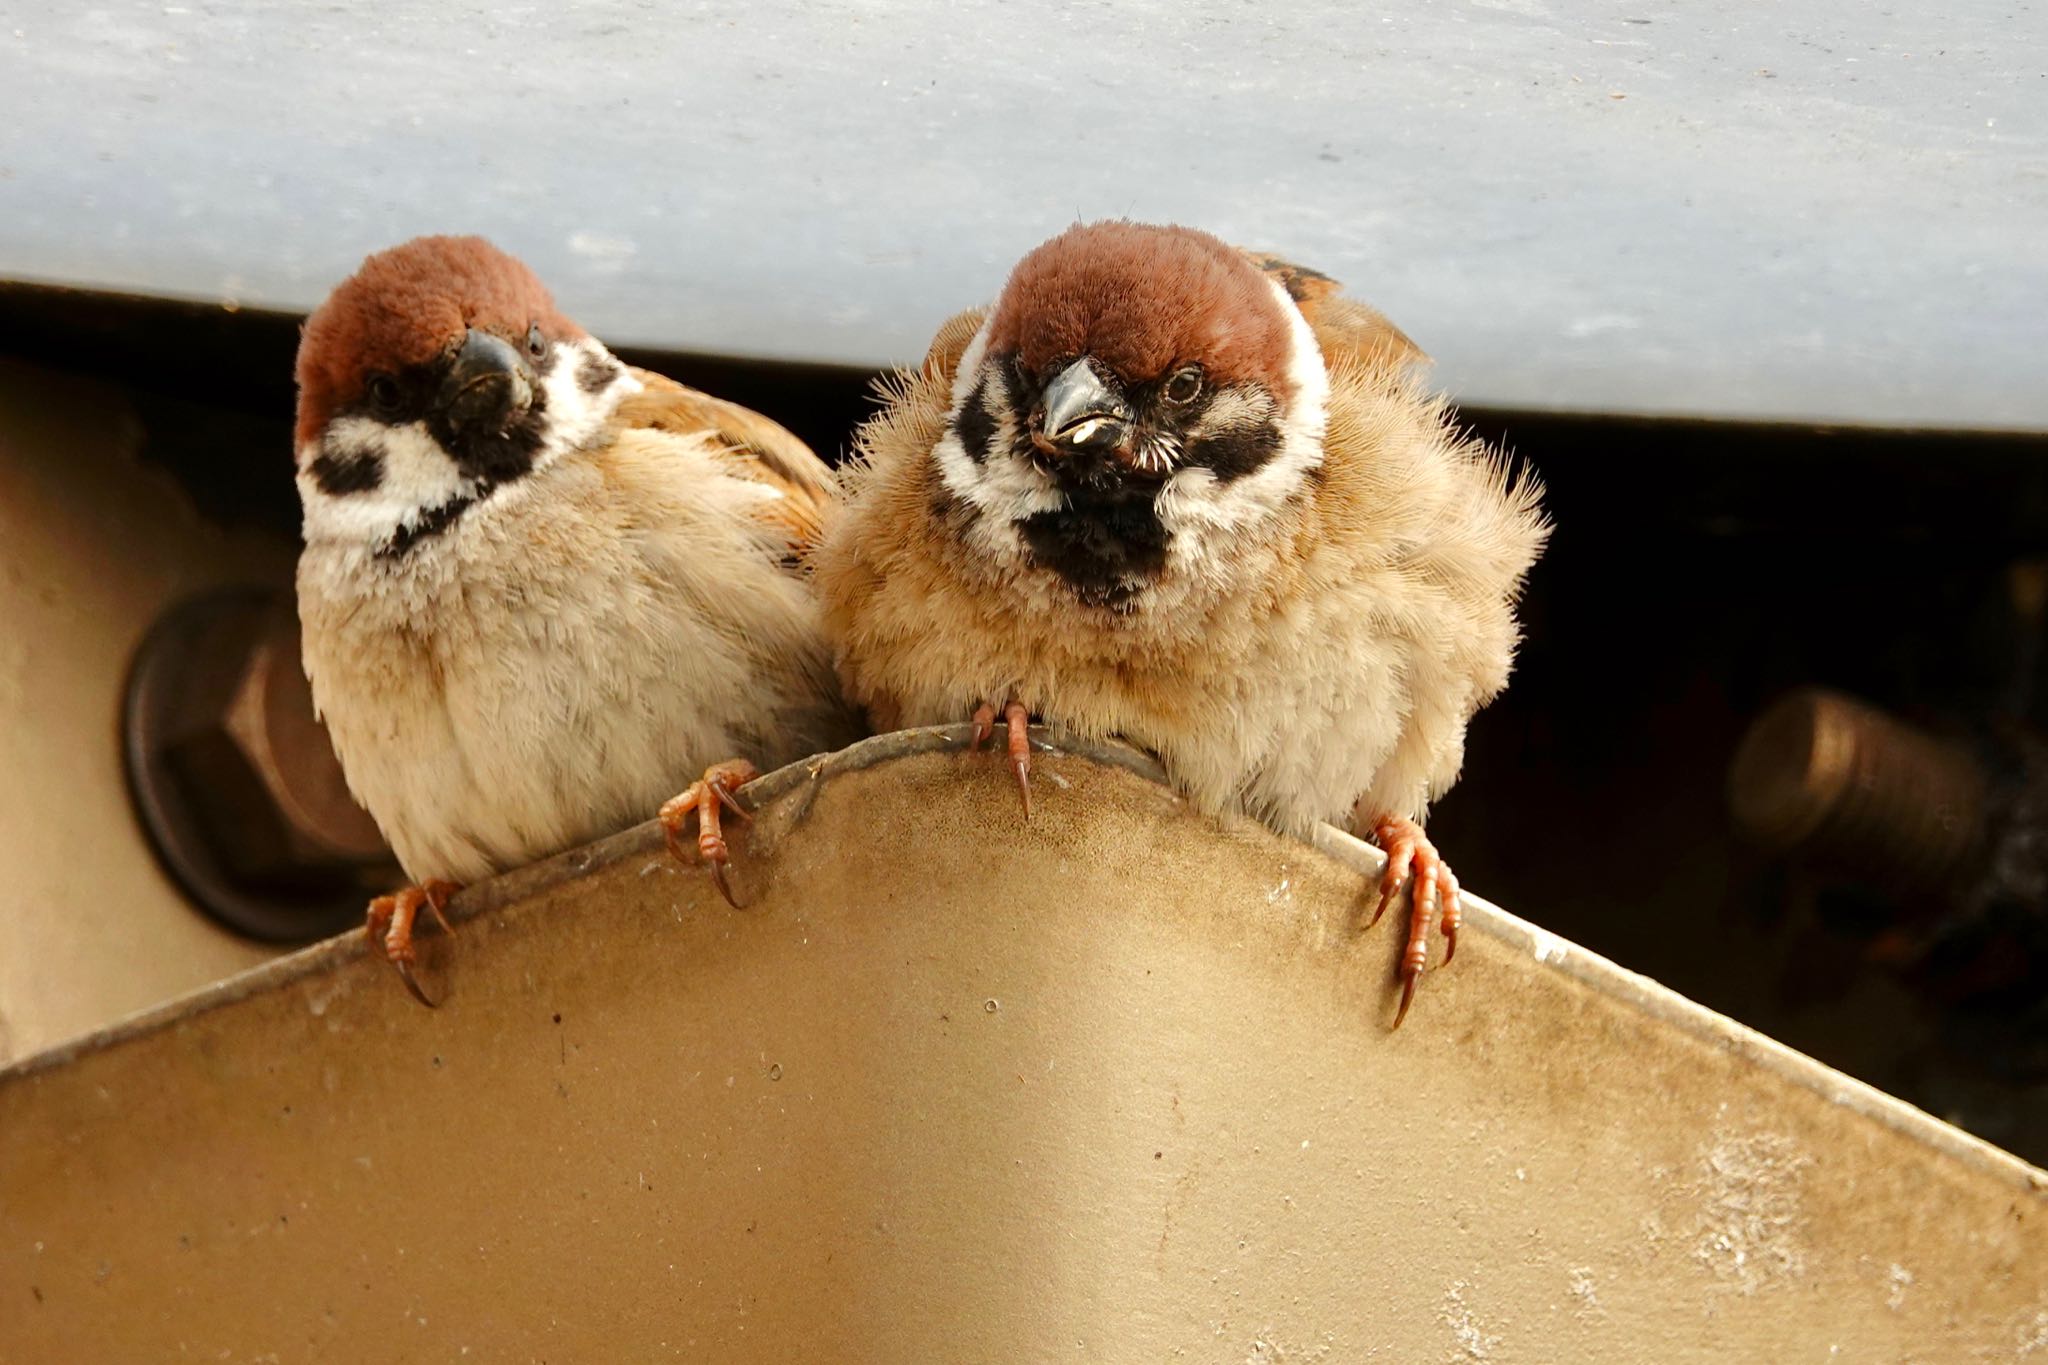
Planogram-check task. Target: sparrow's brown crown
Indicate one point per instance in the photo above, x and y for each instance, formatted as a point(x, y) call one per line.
point(409, 306)
point(1142, 299)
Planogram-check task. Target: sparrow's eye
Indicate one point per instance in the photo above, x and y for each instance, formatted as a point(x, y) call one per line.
point(1185, 385)
point(385, 396)
point(536, 344)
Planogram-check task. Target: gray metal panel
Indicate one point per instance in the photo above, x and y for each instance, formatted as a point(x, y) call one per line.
point(1810, 211)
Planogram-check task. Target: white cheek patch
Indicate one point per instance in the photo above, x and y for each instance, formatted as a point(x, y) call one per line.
point(575, 414)
point(968, 372)
point(1232, 408)
point(417, 476)
point(1005, 487)
point(1199, 511)
point(1201, 514)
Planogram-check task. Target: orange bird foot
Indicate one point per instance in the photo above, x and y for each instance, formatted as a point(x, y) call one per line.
point(390, 921)
point(1412, 861)
point(710, 796)
point(1018, 721)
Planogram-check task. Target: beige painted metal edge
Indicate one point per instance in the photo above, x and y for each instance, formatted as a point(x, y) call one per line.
point(487, 897)
point(800, 780)
point(1664, 1004)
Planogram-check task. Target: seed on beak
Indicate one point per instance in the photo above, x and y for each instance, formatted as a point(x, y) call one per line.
point(1081, 411)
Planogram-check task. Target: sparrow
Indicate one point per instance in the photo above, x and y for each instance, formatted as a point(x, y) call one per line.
point(538, 586)
point(1193, 497)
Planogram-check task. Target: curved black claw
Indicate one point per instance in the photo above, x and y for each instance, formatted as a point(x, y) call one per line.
point(1388, 895)
point(724, 886)
point(412, 983)
point(708, 797)
point(437, 894)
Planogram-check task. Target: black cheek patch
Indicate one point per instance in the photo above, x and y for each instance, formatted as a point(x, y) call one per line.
point(1107, 550)
point(350, 469)
point(596, 374)
point(977, 426)
point(1236, 451)
point(1017, 393)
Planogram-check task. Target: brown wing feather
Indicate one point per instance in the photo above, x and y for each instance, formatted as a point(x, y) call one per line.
point(1342, 325)
point(752, 446)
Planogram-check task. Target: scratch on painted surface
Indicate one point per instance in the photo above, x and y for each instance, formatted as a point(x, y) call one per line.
point(1474, 1342)
point(1749, 1215)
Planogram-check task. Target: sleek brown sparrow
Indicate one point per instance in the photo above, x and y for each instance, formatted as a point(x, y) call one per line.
point(1187, 495)
point(539, 588)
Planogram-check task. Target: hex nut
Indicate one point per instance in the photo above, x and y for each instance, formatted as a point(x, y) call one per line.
point(262, 772)
point(235, 777)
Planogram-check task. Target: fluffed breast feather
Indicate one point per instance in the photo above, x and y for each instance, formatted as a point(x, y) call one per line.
point(1432, 535)
point(571, 652)
point(1342, 650)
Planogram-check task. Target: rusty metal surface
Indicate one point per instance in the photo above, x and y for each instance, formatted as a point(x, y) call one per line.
point(1116, 1085)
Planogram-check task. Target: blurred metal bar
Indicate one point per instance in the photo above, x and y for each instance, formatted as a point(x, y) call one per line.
point(1840, 781)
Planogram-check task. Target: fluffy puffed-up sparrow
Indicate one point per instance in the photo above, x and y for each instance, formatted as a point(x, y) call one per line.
point(1171, 491)
point(540, 590)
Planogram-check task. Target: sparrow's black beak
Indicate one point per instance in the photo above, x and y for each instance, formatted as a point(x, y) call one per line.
point(488, 385)
point(1082, 412)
